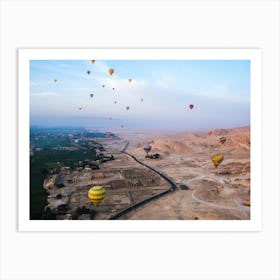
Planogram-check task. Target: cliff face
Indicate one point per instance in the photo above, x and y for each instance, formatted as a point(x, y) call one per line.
point(236, 139)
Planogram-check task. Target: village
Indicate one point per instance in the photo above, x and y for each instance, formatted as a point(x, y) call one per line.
point(125, 182)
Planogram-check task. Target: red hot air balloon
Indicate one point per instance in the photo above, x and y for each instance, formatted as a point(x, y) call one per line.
point(191, 106)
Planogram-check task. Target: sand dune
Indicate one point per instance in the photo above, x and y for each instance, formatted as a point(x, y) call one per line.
point(237, 140)
point(215, 193)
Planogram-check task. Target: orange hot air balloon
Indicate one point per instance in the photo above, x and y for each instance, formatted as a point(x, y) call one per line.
point(111, 71)
point(217, 159)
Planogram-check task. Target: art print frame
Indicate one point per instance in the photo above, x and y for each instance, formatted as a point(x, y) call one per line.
point(253, 55)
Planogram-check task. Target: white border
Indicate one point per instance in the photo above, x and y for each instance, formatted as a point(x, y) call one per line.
point(254, 55)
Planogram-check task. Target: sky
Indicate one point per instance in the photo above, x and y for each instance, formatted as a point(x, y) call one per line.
point(158, 95)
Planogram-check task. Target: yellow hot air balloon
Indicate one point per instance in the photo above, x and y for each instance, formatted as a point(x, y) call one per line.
point(217, 159)
point(96, 194)
point(111, 71)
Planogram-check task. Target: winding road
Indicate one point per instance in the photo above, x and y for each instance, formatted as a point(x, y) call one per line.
point(173, 186)
point(138, 204)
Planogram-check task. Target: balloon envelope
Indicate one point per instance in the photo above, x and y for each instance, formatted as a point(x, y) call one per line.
point(147, 148)
point(92, 61)
point(191, 106)
point(96, 194)
point(111, 71)
point(217, 159)
point(222, 140)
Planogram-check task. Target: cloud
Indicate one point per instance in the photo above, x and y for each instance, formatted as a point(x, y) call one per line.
point(101, 66)
point(84, 89)
point(165, 80)
point(34, 83)
point(45, 94)
point(221, 93)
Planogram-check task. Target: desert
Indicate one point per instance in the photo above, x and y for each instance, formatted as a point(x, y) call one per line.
point(154, 175)
point(221, 193)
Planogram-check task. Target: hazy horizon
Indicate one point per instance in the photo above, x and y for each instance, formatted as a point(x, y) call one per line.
point(103, 127)
point(158, 96)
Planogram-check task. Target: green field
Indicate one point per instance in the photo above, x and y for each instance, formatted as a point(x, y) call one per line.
point(42, 161)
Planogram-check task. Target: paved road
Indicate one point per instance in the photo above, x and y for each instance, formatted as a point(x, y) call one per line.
point(132, 207)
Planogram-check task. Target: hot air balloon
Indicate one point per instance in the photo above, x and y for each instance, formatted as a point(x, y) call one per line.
point(55, 80)
point(142, 99)
point(103, 85)
point(191, 106)
point(147, 148)
point(217, 159)
point(130, 80)
point(111, 71)
point(115, 102)
point(113, 88)
point(127, 108)
point(210, 132)
point(91, 95)
point(122, 126)
point(96, 194)
point(80, 108)
point(88, 72)
point(222, 140)
point(92, 61)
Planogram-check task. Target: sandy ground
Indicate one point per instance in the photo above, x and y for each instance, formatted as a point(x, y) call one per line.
point(209, 193)
point(221, 193)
